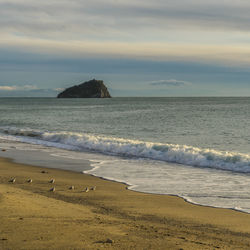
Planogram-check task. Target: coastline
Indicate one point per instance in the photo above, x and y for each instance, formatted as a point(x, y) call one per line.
point(37, 159)
point(199, 185)
point(33, 216)
point(130, 186)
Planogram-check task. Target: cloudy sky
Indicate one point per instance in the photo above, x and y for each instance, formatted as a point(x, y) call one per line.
point(138, 47)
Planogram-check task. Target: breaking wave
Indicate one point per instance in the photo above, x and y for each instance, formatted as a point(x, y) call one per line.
point(182, 154)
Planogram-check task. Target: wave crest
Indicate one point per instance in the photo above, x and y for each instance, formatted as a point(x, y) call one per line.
point(182, 154)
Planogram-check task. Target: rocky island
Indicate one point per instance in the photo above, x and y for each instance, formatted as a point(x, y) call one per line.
point(91, 89)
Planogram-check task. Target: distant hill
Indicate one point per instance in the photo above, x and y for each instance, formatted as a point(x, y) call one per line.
point(91, 89)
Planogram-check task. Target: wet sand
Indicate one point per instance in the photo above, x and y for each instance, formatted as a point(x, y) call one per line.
point(110, 217)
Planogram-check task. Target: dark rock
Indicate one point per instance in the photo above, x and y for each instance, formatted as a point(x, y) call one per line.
point(109, 241)
point(91, 89)
point(105, 241)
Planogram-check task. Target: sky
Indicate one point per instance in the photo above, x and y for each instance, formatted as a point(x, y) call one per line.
point(138, 47)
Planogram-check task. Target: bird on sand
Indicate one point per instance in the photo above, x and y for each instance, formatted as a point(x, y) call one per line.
point(12, 180)
point(29, 180)
point(52, 181)
point(72, 187)
point(52, 189)
point(93, 188)
point(86, 190)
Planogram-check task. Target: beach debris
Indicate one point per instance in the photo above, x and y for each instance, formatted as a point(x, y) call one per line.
point(44, 172)
point(109, 241)
point(86, 190)
point(29, 180)
point(52, 181)
point(12, 180)
point(71, 187)
point(93, 188)
point(52, 189)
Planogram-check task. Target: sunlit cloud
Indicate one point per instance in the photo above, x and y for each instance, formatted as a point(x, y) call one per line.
point(223, 54)
point(59, 89)
point(170, 82)
point(7, 88)
point(15, 87)
point(27, 89)
point(193, 30)
point(106, 18)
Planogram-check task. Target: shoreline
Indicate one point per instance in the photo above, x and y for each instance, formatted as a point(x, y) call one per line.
point(194, 192)
point(89, 162)
point(90, 166)
point(131, 219)
point(173, 195)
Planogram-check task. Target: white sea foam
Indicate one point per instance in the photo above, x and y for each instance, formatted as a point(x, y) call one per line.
point(204, 186)
point(182, 154)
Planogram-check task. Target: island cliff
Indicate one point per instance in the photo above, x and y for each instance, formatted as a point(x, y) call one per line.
point(91, 89)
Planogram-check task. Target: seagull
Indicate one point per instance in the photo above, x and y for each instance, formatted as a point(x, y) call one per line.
point(52, 181)
point(52, 189)
point(72, 187)
point(12, 180)
point(93, 188)
point(29, 180)
point(86, 190)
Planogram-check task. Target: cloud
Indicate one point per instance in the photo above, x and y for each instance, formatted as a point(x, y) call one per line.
point(81, 19)
point(27, 91)
point(209, 53)
point(7, 88)
point(17, 87)
point(170, 82)
point(59, 89)
point(195, 30)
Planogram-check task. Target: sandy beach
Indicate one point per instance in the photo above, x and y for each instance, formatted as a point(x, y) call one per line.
point(110, 217)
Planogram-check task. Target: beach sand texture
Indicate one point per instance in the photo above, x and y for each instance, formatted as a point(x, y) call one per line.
point(110, 217)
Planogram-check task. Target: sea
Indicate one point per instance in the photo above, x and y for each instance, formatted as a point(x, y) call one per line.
point(195, 148)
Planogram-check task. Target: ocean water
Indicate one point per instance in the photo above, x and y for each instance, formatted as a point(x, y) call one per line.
point(196, 148)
